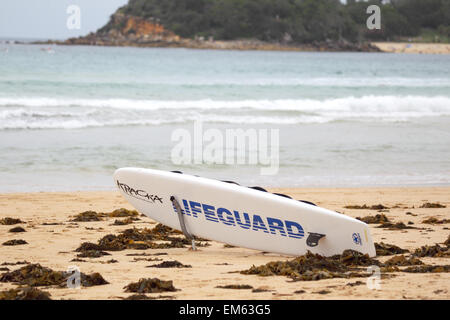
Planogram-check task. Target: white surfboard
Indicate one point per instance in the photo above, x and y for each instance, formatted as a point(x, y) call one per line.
point(241, 216)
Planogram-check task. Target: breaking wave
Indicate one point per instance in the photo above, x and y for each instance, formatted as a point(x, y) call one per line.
point(66, 113)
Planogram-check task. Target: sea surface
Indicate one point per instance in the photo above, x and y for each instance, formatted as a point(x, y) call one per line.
point(71, 115)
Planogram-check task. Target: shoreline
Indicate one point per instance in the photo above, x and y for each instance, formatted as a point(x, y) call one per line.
point(296, 189)
point(52, 237)
point(253, 45)
point(413, 47)
point(238, 45)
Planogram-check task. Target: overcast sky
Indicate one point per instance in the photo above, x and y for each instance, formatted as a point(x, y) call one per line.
point(47, 19)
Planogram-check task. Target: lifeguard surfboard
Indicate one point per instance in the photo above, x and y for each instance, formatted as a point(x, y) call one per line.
point(241, 216)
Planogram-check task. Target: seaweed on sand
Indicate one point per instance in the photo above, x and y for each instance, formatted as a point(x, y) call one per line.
point(90, 215)
point(164, 231)
point(150, 285)
point(263, 289)
point(347, 265)
point(379, 218)
point(385, 249)
point(35, 275)
point(323, 292)
point(128, 239)
point(124, 222)
point(14, 242)
point(366, 207)
point(170, 264)
point(14, 263)
point(144, 254)
point(17, 229)
point(235, 286)
point(93, 279)
point(403, 261)
point(432, 251)
point(26, 293)
point(86, 246)
point(92, 254)
point(433, 220)
point(112, 261)
point(87, 216)
point(10, 221)
point(395, 226)
point(299, 291)
point(353, 284)
point(447, 242)
point(140, 239)
point(427, 269)
point(146, 259)
point(315, 267)
point(122, 212)
point(429, 205)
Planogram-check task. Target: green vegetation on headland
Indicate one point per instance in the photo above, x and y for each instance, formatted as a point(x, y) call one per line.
point(299, 21)
point(271, 24)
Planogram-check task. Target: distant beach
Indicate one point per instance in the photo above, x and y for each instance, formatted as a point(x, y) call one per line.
point(413, 47)
point(251, 45)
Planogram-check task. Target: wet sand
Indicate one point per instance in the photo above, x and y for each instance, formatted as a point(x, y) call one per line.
point(53, 246)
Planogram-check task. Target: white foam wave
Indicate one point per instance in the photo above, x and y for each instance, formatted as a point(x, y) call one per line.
point(38, 112)
point(370, 102)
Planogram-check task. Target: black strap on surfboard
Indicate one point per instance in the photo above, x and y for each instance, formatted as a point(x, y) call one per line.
point(182, 223)
point(313, 239)
point(258, 188)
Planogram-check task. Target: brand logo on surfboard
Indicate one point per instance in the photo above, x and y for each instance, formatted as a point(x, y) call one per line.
point(357, 238)
point(138, 193)
point(234, 218)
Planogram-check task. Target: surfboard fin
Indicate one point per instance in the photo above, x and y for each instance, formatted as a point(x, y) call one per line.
point(182, 224)
point(313, 239)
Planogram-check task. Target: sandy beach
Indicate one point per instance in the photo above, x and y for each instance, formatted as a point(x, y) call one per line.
point(52, 238)
point(410, 47)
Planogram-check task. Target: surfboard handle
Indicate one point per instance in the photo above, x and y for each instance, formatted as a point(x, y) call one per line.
point(313, 239)
point(182, 223)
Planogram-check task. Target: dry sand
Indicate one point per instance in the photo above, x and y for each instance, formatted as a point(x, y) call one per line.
point(409, 47)
point(53, 246)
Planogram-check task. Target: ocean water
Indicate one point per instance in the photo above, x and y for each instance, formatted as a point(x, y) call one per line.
point(71, 115)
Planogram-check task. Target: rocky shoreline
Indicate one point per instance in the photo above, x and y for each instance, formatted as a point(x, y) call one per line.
point(245, 44)
point(130, 31)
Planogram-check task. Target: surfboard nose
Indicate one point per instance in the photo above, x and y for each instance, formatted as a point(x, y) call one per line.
point(121, 172)
point(117, 174)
